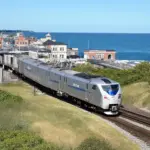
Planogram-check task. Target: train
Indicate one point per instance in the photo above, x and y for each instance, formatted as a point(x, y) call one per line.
point(98, 92)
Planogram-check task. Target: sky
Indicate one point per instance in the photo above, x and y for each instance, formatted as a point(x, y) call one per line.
point(107, 16)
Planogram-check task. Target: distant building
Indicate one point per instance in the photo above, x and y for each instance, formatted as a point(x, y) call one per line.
point(47, 37)
point(39, 43)
point(1, 42)
point(72, 52)
point(31, 40)
point(39, 54)
point(21, 41)
point(58, 49)
point(100, 54)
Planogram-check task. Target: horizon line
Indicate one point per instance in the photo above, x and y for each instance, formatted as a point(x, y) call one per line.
point(93, 32)
point(76, 32)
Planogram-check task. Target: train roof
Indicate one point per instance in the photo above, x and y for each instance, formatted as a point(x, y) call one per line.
point(40, 64)
point(96, 79)
point(71, 72)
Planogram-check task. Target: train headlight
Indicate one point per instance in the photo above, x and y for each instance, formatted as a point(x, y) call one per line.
point(105, 97)
point(119, 96)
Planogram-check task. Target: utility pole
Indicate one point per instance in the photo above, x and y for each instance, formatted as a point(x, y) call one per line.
point(68, 44)
point(88, 44)
point(34, 91)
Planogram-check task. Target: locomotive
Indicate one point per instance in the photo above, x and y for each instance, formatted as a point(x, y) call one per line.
point(100, 92)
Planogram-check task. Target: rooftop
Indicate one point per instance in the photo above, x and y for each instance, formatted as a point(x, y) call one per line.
point(97, 50)
point(50, 42)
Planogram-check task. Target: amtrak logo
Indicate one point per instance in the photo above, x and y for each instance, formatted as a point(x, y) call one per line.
point(76, 85)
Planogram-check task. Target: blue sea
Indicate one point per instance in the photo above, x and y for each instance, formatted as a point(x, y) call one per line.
point(127, 46)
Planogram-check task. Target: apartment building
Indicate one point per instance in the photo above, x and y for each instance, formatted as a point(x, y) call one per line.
point(58, 50)
point(21, 41)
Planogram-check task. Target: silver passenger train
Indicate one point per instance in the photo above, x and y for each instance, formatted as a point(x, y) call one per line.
point(100, 92)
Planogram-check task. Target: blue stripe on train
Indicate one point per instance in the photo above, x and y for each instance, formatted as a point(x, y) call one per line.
point(54, 81)
point(76, 88)
point(80, 89)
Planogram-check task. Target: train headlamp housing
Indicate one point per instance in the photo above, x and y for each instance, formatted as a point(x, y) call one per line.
point(119, 96)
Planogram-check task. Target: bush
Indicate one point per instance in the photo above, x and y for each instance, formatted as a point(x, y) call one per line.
point(9, 98)
point(140, 73)
point(13, 140)
point(94, 144)
point(11, 108)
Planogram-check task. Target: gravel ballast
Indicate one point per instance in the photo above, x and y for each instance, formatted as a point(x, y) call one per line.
point(142, 144)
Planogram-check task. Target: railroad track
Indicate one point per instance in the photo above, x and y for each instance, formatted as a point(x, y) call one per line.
point(134, 116)
point(133, 129)
point(138, 131)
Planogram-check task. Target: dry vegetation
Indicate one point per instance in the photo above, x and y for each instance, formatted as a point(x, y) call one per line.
point(137, 94)
point(60, 123)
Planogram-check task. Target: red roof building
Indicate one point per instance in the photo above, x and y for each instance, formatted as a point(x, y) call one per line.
point(1, 42)
point(21, 41)
point(100, 54)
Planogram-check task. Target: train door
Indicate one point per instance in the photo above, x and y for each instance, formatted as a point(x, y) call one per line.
point(62, 78)
point(65, 84)
point(94, 94)
point(87, 92)
point(59, 82)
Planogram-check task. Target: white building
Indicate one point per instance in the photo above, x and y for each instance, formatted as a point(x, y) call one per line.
point(58, 50)
point(72, 51)
point(47, 37)
point(39, 43)
point(39, 55)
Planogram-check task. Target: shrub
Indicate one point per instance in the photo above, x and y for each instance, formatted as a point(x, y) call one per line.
point(9, 98)
point(137, 74)
point(94, 144)
point(13, 140)
point(11, 108)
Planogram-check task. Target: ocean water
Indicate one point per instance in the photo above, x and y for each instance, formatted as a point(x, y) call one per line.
point(127, 46)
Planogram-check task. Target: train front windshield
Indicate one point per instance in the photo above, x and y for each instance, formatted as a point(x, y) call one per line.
point(111, 89)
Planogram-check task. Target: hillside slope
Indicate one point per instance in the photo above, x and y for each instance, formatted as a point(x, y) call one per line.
point(61, 123)
point(137, 94)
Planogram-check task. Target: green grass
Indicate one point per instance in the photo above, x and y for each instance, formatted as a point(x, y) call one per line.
point(21, 140)
point(57, 122)
point(13, 129)
point(10, 107)
point(94, 144)
point(137, 94)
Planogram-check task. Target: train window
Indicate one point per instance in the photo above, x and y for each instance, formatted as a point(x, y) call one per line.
point(111, 89)
point(11, 60)
point(94, 87)
point(87, 86)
